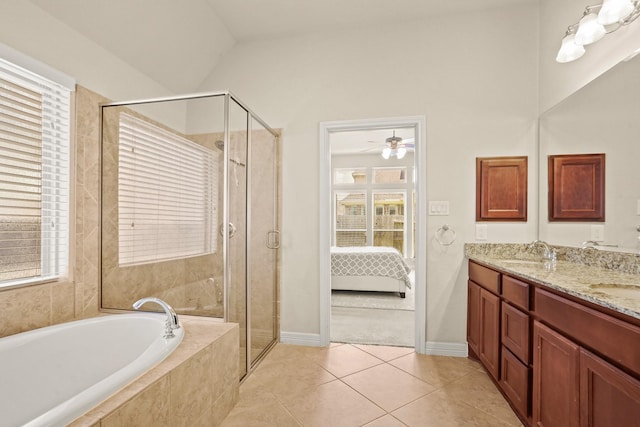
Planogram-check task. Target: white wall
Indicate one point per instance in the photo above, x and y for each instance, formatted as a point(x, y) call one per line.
point(473, 76)
point(557, 81)
point(29, 29)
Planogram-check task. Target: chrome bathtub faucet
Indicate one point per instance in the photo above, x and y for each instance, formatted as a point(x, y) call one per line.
point(172, 318)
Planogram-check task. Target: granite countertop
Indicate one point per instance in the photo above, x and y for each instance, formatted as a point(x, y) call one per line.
point(616, 290)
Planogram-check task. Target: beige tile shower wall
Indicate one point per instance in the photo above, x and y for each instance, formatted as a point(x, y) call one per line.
point(191, 285)
point(32, 307)
point(87, 276)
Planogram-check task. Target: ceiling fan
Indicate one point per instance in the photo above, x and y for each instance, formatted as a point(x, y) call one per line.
point(395, 146)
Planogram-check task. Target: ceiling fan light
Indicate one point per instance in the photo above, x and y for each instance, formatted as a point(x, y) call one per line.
point(569, 50)
point(401, 152)
point(386, 152)
point(589, 30)
point(613, 11)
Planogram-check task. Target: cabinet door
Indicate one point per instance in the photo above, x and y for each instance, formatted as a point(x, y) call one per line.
point(515, 382)
point(489, 345)
point(608, 396)
point(515, 331)
point(473, 317)
point(555, 379)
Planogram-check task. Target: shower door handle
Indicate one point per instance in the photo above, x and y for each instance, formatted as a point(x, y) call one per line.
point(232, 229)
point(273, 239)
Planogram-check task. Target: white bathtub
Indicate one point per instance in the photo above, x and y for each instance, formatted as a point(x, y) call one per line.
point(53, 375)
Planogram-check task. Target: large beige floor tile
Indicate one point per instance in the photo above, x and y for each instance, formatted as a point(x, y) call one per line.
point(384, 352)
point(386, 421)
point(388, 386)
point(439, 410)
point(259, 415)
point(287, 378)
point(343, 360)
point(436, 370)
point(333, 404)
point(477, 390)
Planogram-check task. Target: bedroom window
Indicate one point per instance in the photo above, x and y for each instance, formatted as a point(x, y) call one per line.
point(389, 228)
point(351, 218)
point(34, 173)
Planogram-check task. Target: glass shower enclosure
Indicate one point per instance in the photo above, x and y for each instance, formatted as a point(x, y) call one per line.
point(190, 212)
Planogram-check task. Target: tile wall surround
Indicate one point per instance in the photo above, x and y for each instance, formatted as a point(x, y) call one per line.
point(622, 262)
point(196, 385)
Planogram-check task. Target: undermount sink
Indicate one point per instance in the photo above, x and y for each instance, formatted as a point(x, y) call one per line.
point(618, 290)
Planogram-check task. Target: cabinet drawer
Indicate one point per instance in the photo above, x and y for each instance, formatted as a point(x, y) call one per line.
point(515, 382)
point(516, 332)
point(485, 277)
point(617, 340)
point(516, 292)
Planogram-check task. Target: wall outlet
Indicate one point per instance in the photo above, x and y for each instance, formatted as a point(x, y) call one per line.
point(597, 233)
point(481, 231)
point(438, 207)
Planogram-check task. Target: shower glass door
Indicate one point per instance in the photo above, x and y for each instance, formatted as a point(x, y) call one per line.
point(264, 238)
point(235, 156)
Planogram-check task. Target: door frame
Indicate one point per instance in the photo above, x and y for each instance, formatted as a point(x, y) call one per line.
point(326, 128)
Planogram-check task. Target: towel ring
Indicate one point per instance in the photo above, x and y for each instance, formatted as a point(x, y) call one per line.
point(445, 235)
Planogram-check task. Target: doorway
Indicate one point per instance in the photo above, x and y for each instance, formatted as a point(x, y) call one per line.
point(372, 186)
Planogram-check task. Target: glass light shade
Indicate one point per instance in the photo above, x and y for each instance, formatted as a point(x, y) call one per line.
point(401, 152)
point(613, 11)
point(569, 51)
point(589, 30)
point(386, 152)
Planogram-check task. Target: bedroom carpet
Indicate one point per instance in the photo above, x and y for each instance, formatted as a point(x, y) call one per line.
point(372, 326)
point(379, 318)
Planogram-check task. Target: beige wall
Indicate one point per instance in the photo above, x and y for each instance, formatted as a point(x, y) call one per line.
point(473, 77)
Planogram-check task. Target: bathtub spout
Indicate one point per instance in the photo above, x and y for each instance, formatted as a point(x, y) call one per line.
point(172, 318)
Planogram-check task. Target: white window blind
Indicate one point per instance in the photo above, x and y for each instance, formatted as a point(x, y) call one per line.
point(34, 176)
point(167, 194)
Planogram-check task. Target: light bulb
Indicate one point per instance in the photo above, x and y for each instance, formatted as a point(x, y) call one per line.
point(386, 151)
point(613, 11)
point(569, 51)
point(589, 30)
point(401, 152)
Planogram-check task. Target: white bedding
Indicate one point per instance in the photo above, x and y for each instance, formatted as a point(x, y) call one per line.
point(369, 267)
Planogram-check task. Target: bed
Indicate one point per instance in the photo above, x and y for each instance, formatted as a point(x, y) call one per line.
point(369, 268)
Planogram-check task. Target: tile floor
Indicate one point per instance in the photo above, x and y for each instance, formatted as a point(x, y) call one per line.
point(364, 385)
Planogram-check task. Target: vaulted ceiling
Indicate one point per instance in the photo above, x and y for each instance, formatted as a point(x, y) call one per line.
point(179, 42)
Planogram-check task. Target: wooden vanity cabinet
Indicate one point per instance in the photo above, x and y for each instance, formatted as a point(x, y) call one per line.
point(561, 361)
point(483, 316)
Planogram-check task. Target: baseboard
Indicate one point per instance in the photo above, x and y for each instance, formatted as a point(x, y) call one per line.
point(298, 338)
point(455, 349)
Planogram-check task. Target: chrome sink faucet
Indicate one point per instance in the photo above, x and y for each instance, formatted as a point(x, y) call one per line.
point(548, 253)
point(172, 318)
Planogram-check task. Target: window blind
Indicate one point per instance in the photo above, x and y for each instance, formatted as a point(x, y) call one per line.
point(34, 176)
point(167, 194)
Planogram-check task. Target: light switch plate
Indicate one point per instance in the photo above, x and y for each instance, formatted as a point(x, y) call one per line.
point(597, 233)
point(438, 207)
point(481, 231)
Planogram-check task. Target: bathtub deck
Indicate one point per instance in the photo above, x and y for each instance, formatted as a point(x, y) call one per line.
point(196, 385)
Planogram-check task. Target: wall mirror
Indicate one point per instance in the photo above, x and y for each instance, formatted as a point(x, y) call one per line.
point(602, 117)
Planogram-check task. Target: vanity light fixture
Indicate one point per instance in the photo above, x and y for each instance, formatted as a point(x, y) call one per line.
point(596, 22)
